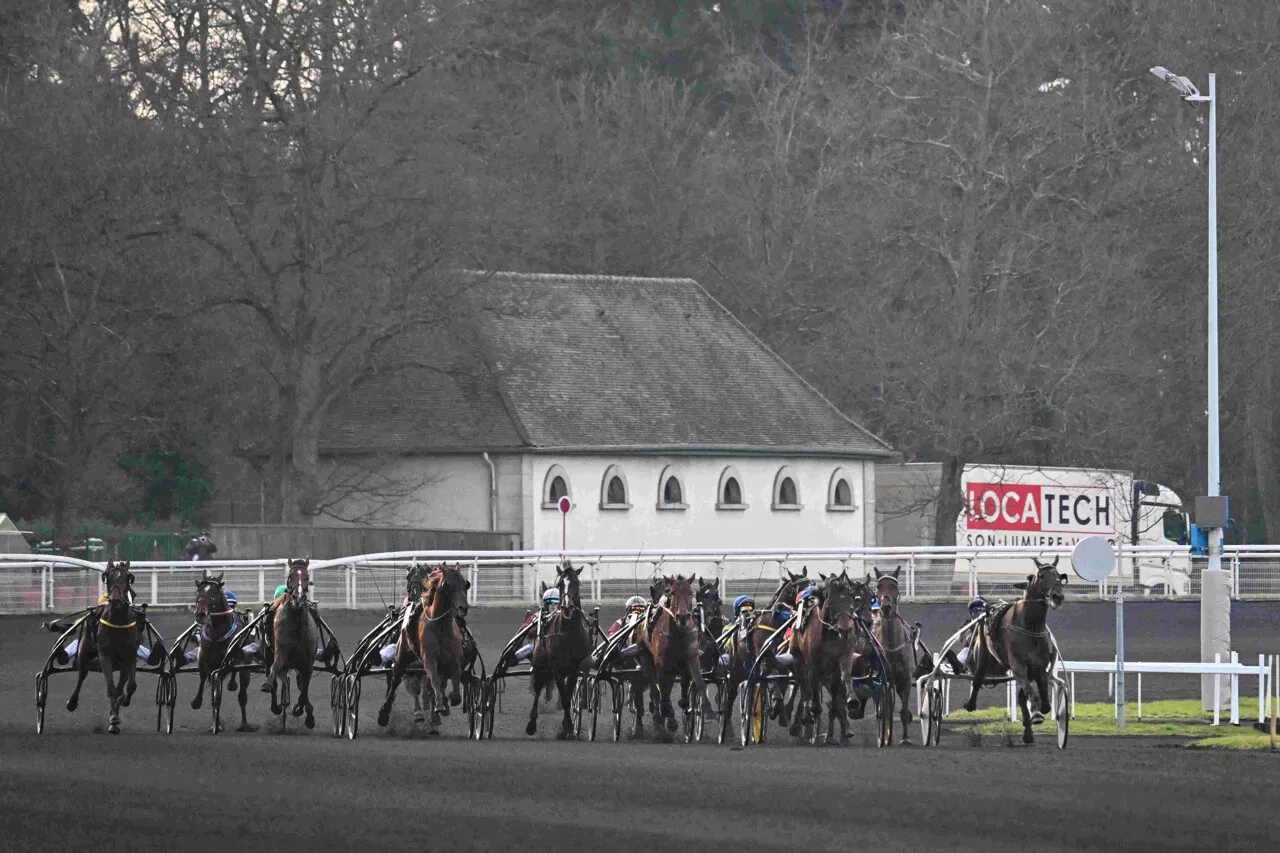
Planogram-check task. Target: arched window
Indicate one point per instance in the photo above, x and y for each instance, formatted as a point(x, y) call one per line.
point(729, 492)
point(554, 487)
point(840, 492)
point(613, 489)
point(670, 490)
point(786, 491)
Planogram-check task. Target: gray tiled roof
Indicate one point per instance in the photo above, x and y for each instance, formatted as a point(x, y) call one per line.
point(587, 362)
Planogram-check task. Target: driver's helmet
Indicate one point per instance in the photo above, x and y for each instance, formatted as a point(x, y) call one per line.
point(551, 597)
point(282, 589)
point(803, 594)
point(743, 602)
point(636, 604)
point(231, 599)
point(978, 605)
point(875, 604)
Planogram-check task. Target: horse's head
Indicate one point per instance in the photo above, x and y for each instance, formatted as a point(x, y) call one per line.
point(791, 586)
point(887, 592)
point(840, 603)
point(680, 601)
point(451, 590)
point(658, 589)
point(709, 598)
point(1045, 584)
point(211, 599)
point(119, 582)
point(567, 581)
point(415, 579)
point(298, 582)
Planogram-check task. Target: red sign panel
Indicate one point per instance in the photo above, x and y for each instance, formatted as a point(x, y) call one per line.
point(1039, 508)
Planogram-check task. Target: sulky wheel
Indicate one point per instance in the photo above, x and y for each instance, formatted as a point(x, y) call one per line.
point(351, 706)
point(473, 703)
point(338, 703)
point(618, 693)
point(594, 695)
point(933, 735)
point(699, 708)
point(166, 697)
point(884, 715)
point(42, 695)
point(1062, 710)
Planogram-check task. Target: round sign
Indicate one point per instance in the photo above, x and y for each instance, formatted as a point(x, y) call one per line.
point(1093, 558)
point(565, 505)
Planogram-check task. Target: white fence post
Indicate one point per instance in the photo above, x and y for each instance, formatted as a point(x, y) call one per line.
point(1235, 576)
point(155, 586)
point(262, 584)
point(1235, 691)
point(474, 592)
point(1217, 689)
point(46, 588)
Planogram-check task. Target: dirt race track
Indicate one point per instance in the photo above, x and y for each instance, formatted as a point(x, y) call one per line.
point(74, 788)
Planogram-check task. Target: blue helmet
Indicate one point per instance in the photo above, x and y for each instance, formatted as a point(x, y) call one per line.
point(740, 601)
point(231, 599)
point(805, 593)
point(875, 603)
point(978, 603)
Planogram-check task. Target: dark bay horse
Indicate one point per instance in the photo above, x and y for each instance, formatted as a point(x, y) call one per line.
point(113, 634)
point(296, 637)
point(902, 661)
point(1016, 638)
point(668, 645)
point(711, 620)
point(823, 646)
point(562, 645)
point(218, 623)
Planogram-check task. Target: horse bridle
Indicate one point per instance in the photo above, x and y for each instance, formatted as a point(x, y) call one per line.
point(297, 584)
point(205, 585)
point(112, 577)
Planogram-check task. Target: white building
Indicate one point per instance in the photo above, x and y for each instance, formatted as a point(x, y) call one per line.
point(662, 418)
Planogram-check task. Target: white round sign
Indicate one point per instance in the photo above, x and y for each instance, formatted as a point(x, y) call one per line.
point(1093, 558)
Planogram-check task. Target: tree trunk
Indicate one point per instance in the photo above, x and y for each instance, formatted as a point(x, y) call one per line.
point(950, 502)
point(1259, 426)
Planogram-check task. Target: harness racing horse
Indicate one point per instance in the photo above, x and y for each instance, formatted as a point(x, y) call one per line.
point(415, 580)
point(560, 649)
point(900, 644)
point(113, 633)
point(668, 643)
point(823, 645)
point(437, 640)
point(711, 620)
point(295, 638)
point(1016, 637)
point(218, 624)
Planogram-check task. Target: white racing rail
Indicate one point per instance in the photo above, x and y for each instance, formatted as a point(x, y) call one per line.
point(40, 583)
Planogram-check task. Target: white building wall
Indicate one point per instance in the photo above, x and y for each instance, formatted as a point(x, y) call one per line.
point(446, 492)
point(702, 524)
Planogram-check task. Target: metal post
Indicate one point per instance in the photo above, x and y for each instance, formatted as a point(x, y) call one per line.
point(1217, 689)
point(262, 584)
point(1275, 695)
point(46, 588)
point(1120, 641)
point(155, 586)
point(1235, 691)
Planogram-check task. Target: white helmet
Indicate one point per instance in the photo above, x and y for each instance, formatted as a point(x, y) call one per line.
point(551, 596)
point(635, 602)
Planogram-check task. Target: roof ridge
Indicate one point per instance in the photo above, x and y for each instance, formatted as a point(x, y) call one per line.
point(787, 367)
point(584, 278)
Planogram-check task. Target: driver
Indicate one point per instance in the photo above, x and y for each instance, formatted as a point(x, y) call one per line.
point(550, 602)
point(977, 608)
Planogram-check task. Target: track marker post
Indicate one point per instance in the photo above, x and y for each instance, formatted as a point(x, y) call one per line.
point(1093, 559)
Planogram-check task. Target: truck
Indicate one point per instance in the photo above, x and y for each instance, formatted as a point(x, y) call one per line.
point(1020, 506)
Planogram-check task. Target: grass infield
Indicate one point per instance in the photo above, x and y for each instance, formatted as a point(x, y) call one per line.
point(1180, 718)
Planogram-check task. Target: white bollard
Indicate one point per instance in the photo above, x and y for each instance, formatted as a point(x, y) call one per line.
point(1235, 691)
point(1217, 689)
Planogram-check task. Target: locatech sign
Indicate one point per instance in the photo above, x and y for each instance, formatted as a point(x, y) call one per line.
point(1039, 508)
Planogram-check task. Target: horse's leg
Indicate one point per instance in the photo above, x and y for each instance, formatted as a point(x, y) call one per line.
point(540, 680)
point(637, 706)
point(1027, 735)
point(243, 696)
point(82, 667)
point(396, 676)
point(413, 683)
point(431, 670)
point(1042, 683)
point(113, 697)
point(304, 699)
point(203, 672)
point(565, 685)
point(978, 665)
point(904, 714)
point(278, 665)
point(129, 678)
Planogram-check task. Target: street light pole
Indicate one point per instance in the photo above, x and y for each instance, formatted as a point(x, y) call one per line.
point(1215, 596)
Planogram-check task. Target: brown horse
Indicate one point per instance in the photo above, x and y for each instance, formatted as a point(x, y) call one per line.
point(668, 643)
point(295, 638)
point(112, 633)
point(823, 645)
point(1016, 638)
point(218, 623)
point(562, 644)
point(903, 662)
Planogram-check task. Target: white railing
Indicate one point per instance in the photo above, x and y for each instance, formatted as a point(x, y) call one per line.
point(42, 583)
point(1233, 669)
